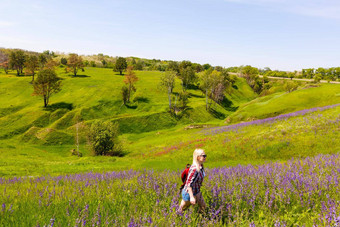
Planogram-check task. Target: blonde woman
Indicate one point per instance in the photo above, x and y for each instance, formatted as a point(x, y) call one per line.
point(191, 193)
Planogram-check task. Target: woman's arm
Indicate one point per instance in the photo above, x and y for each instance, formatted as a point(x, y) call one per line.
point(192, 198)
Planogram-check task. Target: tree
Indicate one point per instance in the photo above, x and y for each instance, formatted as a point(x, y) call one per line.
point(63, 61)
point(17, 60)
point(42, 60)
point(74, 63)
point(5, 66)
point(46, 84)
point(184, 64)
point(214, 84)
point(184, 98)
point(121, 65)
point(125, 94)
point(4, 62)
point(168, 82)
point(51, 64)
point(308, 73)
point(130, 79)
point(205, 84)
point(103, 138)
point(206, 66)
point(249, 73)
point(173, 66)
point(31, 65)
point(290, 86)
point(139, 65)
point(291, 75)
point(188, 76)
point(252, 78)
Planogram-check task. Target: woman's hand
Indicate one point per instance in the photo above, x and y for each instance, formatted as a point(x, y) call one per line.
point(192, 200)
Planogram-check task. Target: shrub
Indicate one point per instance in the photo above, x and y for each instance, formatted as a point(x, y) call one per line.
point(290, 86)
point(103, 138)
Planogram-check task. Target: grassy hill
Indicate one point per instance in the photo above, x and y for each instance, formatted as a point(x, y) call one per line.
point(36, 140)
point(282, 102)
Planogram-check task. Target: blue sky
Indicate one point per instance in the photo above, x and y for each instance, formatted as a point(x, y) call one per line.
point(280, 34)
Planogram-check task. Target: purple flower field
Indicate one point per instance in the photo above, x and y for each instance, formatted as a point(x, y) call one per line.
point(217, 130)
point(301, 192)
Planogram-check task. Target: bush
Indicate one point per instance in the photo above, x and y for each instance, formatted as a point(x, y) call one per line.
point(290, 86)
point(103, 138)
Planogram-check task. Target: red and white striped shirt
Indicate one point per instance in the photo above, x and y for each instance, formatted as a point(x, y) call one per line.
point(194, 179)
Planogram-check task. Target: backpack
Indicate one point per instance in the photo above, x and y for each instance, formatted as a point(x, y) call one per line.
point(184, 176)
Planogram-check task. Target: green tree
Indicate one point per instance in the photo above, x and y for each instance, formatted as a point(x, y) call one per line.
point(121, 65)
point(125, 94)
point(207, 66)
point(4, 62)
point(74, 63)
point(168, 83)
point(46, 84)
point(42, 60)
point(31, 65)
point(252, 78)
point(317, 78)
point(103, 138)
point(308, 73)
point(290, 86)
point(130, 79)
point(63, 61)
point(205, 79)
point(173, 66)
point(214, 84)
point(184, 99)
point(139, 65)
point(17, 60)
point(188, 76)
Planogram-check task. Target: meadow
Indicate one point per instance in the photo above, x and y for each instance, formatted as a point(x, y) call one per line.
point(301, 191)
point(35, 141)
point(298, 192)
point(272, 160)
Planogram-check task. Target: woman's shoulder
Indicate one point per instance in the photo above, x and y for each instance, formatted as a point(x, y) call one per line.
point(192, 167)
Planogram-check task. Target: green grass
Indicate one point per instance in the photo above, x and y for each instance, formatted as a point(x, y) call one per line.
point(282, 102)
point(37, 141)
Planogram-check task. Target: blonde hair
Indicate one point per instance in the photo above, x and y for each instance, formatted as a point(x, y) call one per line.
point(197, 152)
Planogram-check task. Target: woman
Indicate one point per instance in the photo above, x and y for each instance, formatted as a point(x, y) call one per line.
point(191, 193)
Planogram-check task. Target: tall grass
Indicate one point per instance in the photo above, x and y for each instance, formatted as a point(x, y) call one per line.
point(298, 192)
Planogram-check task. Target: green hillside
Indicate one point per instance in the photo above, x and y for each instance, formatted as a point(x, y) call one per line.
point(96, 95)
point(36, 140)
point(282, 102)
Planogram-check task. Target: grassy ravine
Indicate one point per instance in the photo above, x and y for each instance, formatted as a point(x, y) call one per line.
point(35, 141)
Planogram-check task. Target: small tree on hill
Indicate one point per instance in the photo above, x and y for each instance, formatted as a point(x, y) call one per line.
point(125, 94)
point(46, 84)
point(51, 64)
point(63, 61)
point(4, 62)
point(31, 65)
point(103, 138)
point(130, 80)
point(120, 65)
point(290, 86)
point(205, 84)
point(17, 60)
point(168, 83)
point(74, 63)
point(42, 60)
point(188, 76)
